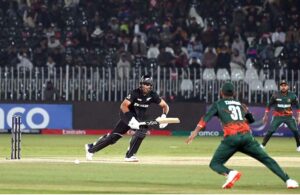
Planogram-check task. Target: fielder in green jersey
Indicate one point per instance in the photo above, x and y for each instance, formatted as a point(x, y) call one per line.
point(283, 102)
point(235, 118)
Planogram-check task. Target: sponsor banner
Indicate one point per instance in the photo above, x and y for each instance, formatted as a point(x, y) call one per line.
point(4, 130)
point(51, 131)
point(84, 132)
point(201, 133)
point(37, 116)
point(181, 133)
point(211, 133)
point(161, 132)
point(94, 132)
point(258, 128)
point(24, 131)
point(31, 131)
point(75, 131)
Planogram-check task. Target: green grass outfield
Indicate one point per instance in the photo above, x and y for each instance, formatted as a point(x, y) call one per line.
point(167, 166)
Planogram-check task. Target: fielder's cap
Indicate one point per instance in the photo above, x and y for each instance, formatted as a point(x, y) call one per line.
point(228, 87)
point(283, 81)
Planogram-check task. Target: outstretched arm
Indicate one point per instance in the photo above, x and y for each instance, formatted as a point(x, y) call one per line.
point(165, 111)
point(268, 107)
point(202, 123)
point(200, 126)
point(164, 106)
point(266, 117)
point(298, 118)
point(296, 103)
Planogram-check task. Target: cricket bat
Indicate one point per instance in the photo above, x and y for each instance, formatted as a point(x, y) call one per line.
point(160, 120)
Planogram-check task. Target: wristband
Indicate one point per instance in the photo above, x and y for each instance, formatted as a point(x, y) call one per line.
point(250, 118)
point(201, 123)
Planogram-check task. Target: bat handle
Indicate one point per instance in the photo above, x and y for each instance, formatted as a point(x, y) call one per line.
point(149, 123)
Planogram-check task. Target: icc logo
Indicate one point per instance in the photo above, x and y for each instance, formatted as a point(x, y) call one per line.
point(27, 117)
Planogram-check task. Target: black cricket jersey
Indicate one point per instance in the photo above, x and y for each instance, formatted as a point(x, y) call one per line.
point(140, 103)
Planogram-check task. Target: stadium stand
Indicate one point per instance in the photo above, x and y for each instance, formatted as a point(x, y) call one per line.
point(89, 37)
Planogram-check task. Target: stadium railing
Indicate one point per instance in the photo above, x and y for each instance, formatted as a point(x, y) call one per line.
point(104, 84)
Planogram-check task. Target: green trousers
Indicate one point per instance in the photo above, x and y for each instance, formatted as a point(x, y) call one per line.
point(288, 120)
point(246, 144)
point(276, 122)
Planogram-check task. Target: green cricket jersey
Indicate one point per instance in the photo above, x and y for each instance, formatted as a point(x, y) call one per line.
point(283, 103)
point(231, 114)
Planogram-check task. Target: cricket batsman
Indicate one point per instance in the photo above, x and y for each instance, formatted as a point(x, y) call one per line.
point(132, 112)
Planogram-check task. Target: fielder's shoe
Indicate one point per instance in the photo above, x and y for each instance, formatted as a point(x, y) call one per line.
point(88, 155)
point(298, 149)
point(131, 159)
point(262, 146)
point(292, 184)
point(232, 177)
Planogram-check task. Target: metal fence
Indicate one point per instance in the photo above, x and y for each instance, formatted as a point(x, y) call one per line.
point(105, 84)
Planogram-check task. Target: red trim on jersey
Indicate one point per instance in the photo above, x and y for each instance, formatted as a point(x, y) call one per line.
point(201, 123)
point(235, 127)
point(283, 113)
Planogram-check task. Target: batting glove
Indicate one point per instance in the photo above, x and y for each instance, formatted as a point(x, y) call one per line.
point(133, 123)
point(165, 124)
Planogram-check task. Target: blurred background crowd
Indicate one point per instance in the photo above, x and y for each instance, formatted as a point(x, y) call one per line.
point(133, 33)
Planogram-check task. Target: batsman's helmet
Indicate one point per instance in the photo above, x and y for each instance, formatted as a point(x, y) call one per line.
point(146, 79)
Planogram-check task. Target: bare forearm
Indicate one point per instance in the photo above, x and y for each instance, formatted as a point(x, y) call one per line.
point(125, 106)
point(124, 109)
point(165, 109)
point(198, 128)
point(164, 106)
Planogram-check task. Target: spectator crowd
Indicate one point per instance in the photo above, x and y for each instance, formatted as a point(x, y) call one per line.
point(134, 33)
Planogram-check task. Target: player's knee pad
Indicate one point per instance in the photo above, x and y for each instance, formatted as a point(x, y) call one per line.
point(102, 142)
point(102, 138)
point(115, 137)
point(137, 138)
point(134, 145)
point(140, 134)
